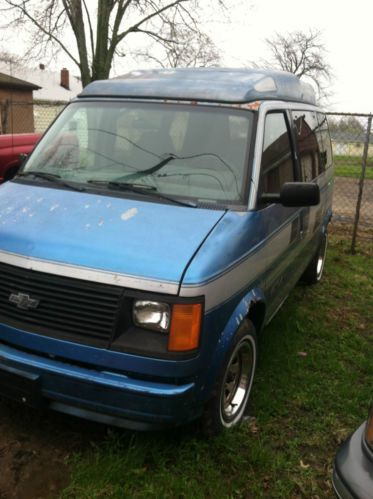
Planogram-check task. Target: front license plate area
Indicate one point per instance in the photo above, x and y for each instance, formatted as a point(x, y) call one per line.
point(21, 386)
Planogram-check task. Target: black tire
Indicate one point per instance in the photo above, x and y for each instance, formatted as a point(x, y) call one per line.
point(227, 406)
point(313, 272)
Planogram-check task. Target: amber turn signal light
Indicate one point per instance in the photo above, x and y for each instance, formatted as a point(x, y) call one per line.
point(185, 327)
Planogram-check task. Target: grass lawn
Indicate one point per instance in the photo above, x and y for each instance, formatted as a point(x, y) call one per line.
point(311, 390)
point(350, 166)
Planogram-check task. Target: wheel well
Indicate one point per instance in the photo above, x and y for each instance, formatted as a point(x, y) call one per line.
point(9, 174)
point(256, 314)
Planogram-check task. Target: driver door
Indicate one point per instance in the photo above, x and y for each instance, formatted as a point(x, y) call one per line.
point(282, 225)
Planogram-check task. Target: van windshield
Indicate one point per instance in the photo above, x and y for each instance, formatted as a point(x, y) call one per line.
point(184, 151)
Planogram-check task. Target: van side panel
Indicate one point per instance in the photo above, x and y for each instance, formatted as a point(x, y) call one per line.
point(243, 250)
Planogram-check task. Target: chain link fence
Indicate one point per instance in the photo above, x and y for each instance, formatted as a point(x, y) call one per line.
point(351, 136)
point(28, 116)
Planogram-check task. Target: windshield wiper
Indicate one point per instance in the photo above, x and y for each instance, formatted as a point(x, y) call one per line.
point(51, 177)
point(122, 185)
point(151, 170)
point(146, 190)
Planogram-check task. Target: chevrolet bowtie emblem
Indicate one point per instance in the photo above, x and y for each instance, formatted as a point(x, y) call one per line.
point(23, 301)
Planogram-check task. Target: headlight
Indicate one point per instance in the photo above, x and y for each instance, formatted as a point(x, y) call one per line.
point(152, 315)
point(369, 429)
point(181, 321)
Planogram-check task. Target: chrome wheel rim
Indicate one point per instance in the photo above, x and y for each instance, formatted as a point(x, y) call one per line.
point(321, 257)
point(238, 380)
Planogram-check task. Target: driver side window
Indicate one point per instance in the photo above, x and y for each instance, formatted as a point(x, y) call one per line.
point(277, 165)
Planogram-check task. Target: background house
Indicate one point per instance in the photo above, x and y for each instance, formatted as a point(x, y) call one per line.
point(349, 143)
point(50, 92)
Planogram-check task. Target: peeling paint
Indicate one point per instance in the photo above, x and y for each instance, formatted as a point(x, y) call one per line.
point(101, 222)
point(129, 214)
point(253, 106)
point(54, 207)
point(86, 206)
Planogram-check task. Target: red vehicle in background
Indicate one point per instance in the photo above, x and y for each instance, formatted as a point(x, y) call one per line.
point(12, 147)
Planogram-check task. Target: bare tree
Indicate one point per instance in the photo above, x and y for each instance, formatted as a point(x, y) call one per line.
point(98, 30)
point(183, 46)
point(301, 53)
point(346, 124)
point(8, 58)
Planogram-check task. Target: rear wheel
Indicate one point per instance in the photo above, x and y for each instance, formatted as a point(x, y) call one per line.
point(232, 391)
point(313, 272)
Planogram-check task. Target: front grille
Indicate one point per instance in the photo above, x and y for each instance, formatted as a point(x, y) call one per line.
point(68, 308)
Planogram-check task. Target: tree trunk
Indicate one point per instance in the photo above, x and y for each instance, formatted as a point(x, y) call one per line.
point(101, 64)
point(74, 12)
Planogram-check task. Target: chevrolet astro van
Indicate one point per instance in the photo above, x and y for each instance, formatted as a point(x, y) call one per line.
point(156, 228)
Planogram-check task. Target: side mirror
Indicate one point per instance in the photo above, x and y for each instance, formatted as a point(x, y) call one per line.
point(295, 194)
point(22, 158)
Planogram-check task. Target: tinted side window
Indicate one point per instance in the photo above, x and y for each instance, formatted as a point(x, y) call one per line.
point(326, 148)
point(277, 165)
point(308, 137)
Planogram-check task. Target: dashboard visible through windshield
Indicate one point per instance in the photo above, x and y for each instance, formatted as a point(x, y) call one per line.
point(184, 151)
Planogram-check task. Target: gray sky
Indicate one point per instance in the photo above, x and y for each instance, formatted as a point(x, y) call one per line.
point(346, 32)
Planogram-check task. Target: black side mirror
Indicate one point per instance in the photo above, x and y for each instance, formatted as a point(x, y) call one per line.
point(22, 158)
point(295, 194)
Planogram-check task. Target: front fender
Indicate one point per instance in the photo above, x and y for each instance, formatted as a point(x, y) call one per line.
point(327, 219)
point(240, 313)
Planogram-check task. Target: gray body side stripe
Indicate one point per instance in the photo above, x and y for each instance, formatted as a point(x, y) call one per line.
point(88, 274)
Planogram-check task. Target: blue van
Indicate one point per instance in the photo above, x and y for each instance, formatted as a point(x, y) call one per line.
point(156, 228)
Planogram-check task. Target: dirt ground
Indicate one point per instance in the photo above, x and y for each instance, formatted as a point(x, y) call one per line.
point(35, 447)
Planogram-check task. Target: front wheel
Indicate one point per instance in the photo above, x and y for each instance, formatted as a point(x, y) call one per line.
point(314, 271)
point(232, 391)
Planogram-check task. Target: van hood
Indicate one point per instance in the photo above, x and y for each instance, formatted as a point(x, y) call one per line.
point(138, 244)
